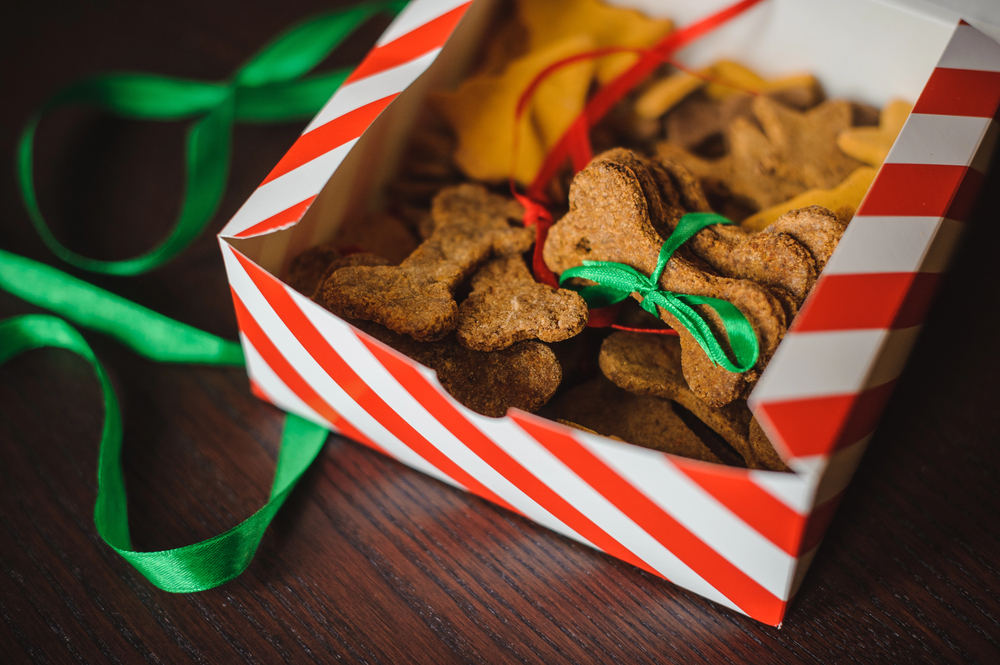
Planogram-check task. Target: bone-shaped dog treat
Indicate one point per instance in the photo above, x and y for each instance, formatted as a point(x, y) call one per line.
point(817, 228)
point(523, 376)
point(349, 261)
point(644, 420)
point(507, 305)
point(305, 273)
point(764, 450)
point(647, 364)
point(772, 258)
point(608, 220)
point(417, 297)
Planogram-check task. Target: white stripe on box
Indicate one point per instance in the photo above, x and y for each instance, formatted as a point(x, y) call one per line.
point(277, 392)
point(372, 88)
point(371, 371)
point(971, 49)
point(814, 364)
point(698, 512)
point(895, 244)
point(550, 469)
point(795, 491)
point(938, 139)
point(416, 14)
point(316, 376)
point(287, 190)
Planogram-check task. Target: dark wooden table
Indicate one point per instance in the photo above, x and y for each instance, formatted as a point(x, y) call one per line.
point(370, 561)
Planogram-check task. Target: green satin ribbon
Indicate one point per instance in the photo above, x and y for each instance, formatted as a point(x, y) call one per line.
point(271, 87)
point(196, 567)
point(617, 281)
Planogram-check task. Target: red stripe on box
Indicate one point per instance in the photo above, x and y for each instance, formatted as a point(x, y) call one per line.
point(866, 301)
point(745, 592)
point(868, 408)
point(750, 502)
point(429, 36)
point(823, 425)
point(964, 92)
point(441, 408)
point(290, 377)
point(338, 370)
point(922, 190)
point(327, 137)
point(283, 218)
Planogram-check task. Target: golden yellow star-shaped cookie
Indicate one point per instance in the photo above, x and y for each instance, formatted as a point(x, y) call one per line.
point(731, 78)
point(552, 21)
point(843, 199)
point(871, 144)
point(482, 112)
point(722, 80)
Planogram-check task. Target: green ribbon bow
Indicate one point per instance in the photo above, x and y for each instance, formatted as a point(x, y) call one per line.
point(269, 88)
point(617, 281)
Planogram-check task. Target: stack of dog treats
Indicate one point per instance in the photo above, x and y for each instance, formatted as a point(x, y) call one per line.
point(442, 275)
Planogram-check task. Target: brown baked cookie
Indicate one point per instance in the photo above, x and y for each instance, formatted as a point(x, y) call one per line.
point(381, 233)
point(644, 420)
point(507, 305)
point(772, 258)
point(349, 261)
point(646, 364)
point(816, 228)
point(807, 142)
point(766, 457)
point(417, 297)
point(609, 220)
point(523, 376)
point(306, 270)
point(794, 152)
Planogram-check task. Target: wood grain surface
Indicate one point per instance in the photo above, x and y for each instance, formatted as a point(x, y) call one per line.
point(370, 561)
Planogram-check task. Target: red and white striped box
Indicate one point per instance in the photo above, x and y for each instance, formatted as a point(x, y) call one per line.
point(741, 538)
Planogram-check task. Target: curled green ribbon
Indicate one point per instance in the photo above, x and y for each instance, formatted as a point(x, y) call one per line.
point(195, 567)
point(617, 281)
point(271, 87)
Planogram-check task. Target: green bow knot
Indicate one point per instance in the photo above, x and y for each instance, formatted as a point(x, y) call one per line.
point(271, 87)
point(617, 281)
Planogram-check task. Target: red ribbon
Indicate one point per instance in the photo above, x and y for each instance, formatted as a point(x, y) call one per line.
point(575, 142)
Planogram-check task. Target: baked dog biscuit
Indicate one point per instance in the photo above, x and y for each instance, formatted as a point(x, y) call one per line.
point(507, 305)
point(816, 228)
point(305, 273)
point(774, 259)
point(646, 364)
point(417, 297)
point(644, 420)
point(523, 376)
point(609, 220)
point(766, 456)
point(794, 152)
point(871, 145)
